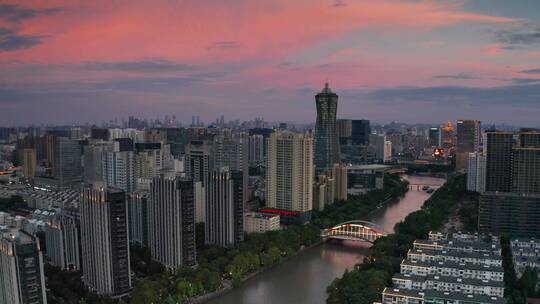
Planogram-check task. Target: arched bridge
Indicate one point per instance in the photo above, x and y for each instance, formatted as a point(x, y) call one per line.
point(354, 231)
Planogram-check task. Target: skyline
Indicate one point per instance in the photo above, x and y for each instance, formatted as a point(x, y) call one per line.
point(66, 62)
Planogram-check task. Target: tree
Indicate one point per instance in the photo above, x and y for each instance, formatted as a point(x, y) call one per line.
point(145, 292)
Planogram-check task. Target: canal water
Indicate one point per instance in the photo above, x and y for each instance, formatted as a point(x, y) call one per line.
point(304, 278)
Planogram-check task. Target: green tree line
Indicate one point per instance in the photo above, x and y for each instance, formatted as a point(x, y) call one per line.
point(366, 281)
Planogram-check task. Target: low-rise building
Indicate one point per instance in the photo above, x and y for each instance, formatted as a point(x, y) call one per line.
point(449, 269)
point(525, 254)
point(429, 255)
point(404, 296)
point(256, 222)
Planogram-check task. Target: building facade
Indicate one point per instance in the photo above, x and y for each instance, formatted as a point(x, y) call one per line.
point(256, 222)
point(62, 236)
point(67, 167)
point(289, 172)
point(499, 161)
point(513, 213)
point(476, 173)
point(468, 141)
point(119, 170)
point(171, 221)
point(104, 238)
point(22, 278)
point(326, 144)
point(224, 223)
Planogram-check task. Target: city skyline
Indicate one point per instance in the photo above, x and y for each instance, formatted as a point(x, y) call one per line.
point(66, 63)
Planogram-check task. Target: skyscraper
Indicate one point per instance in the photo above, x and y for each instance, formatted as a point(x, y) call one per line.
point(326, 145)
point(435, 137)
point(29, 163)
point(526, 170)
point(360, 131)
point(256, 149)
point(529, 139)
point(512, 198)
point(476, 173)
point(67, 161)
point(138, 217)
point(21, 268)
point(232, 152)
point(171, 221)
point(499, 161)
point(225, 207)
point(526, 164)
point(104, 238)
point(62, 236)
point(512, 213)
point(199, 160)
point(468, 141)
point(119, 170)
point(344, 131)
point(289, 171)
point(93, 155)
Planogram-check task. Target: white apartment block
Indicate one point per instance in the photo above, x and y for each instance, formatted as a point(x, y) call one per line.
point(255, 222)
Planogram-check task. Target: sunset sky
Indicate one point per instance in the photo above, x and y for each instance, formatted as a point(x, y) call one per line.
point(408, 61)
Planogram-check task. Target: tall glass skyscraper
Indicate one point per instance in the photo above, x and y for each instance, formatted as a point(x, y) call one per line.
point(326, 144)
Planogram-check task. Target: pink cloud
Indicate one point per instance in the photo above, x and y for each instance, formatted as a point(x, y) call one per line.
point(187, 30)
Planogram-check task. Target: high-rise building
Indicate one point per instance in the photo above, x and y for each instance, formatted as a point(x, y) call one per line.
point(513, 213)
point(171, 221)
point(104, 238)
point(48, 147)
point(138, 217)
point(499, 161)
point(29, 163)
point(526, 170)
point(339, 174)
point(119, 170)
point(435, 137)
point(360, 131)
point(511, 203)
point(21, 268)
point(224, 224)
point(289, 171)
point(529, 139)
point(344, 131)
point(381, 147)
point(67, 161)
point(526, 163)
point(326, 144)
point(93, 155)
point(468, 141)
point(200, 202)
point(150, 159)
point(199, 160)
point(476, 173)
point(62, 236)
point(233, 153)
point(256, 149)
point(97, 133)
point(323, 192)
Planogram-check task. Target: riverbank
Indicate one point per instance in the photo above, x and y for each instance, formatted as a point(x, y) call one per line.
point(365, 283)
point(230, 287)
point(340, 211)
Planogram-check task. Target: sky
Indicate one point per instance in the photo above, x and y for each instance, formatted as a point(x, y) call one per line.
point(71, 62)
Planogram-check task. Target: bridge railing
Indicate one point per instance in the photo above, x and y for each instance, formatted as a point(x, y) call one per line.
point(356, 230)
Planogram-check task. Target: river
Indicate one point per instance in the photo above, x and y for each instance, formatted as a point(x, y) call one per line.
point(304, 278)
